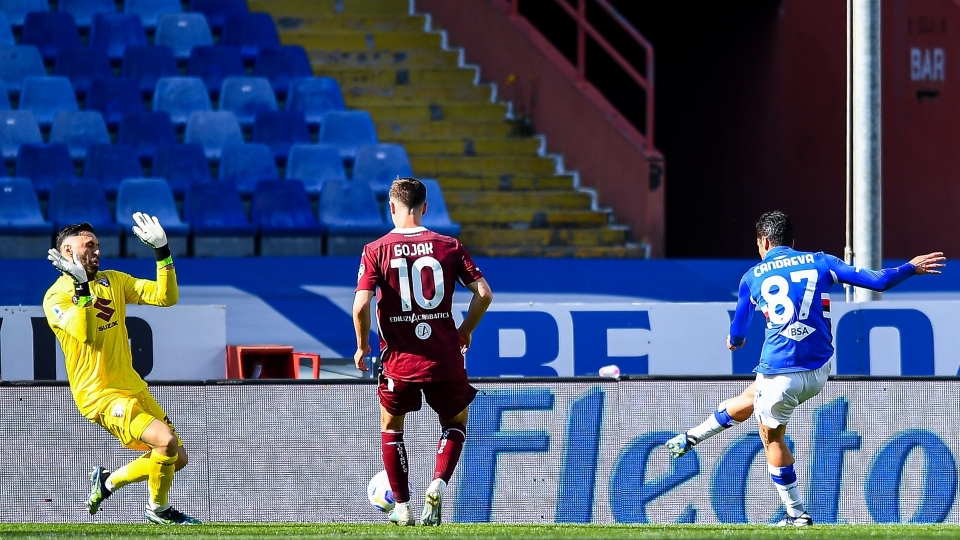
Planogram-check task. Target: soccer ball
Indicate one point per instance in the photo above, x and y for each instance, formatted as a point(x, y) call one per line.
point(379, 492)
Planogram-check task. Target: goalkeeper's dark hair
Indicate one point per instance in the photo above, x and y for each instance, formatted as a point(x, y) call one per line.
point(776, 227)
point(409, 192)
point(73, 230)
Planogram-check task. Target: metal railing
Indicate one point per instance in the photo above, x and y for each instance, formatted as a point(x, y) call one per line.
point(585, 28)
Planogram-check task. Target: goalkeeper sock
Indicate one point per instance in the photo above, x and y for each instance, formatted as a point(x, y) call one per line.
point(785, 480)
point(136, 471)
point(395, 462)
point(448, 451)
point(160, 479)
point(717, 422)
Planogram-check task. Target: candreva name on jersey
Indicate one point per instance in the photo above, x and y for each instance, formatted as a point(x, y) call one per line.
point(783, 262)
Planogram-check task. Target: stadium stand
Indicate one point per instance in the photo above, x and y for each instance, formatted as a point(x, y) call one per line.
point(23, 231)
point(50, 33)
point(182, 32)
point(146, 132)
point(116, 31)
point(213, 130)
point(247, 96)
point(182, 165)
point(150, 11)
point(282, 211)
point(147, 64)
point(282, 65)
point(46, 96)
point(77, 200)
point(351, 214)
point(83, 65)
point(17, 63)
point(180, 97)
point(17, 128)
point(315, 96)
point(347, 130)
point(213, 64)
point(217, 11)
point(437, 217)
point(109, 164)
point(78, 130)
point(314, 164)
point(83, 10)
point(280, 130)
point(44, 164)
point(380, 164)
point(249, 32)
point(153, 196)
point(115, 99)
point(16, 10)
point(219, 222)
point(244, 165)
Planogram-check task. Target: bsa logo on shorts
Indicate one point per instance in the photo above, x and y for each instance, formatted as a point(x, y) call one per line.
point(423, 330)
point(118, 410)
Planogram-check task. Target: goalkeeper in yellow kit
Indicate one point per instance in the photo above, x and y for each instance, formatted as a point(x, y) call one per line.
point(86, 308)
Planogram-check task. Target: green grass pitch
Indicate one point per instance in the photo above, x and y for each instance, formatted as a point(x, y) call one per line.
point(353, 530)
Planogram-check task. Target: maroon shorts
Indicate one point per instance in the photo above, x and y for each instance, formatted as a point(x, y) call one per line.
point(447, 398)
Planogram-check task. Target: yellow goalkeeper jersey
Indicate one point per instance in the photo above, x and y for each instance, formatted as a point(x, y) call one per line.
point(94, 339)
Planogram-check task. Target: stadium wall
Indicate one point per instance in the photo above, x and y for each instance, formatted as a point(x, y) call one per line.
point(571, 451)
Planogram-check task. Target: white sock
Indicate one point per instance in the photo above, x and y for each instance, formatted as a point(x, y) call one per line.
point(109, 485)
point(715, 423)
point(157, 508)
point(443, 485)
point(788, 491)
point(401, 506)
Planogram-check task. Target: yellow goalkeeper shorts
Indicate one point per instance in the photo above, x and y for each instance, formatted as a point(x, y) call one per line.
point(127, 417)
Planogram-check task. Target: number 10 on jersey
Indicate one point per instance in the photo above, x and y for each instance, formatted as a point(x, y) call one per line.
point(418, 266)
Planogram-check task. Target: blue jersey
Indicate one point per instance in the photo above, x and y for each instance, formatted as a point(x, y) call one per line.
point(792, 290)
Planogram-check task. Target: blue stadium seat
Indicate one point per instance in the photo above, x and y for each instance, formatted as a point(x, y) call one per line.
point(246, 164)
point(109, 164)
point(78, 130)
point(4, 99)
point(116, 31)
point(20, 212)
point(282, 65)
point(151, 10)
point(182, 165)
point(146, 65)
point(6, 33)
point(181, 96)
point(217, 11)
point(153, 196)
point(50, 33)
point(44, 164)
point(380, 164)
point(79, 200)
point(114, 98)
point(215, 209)
point(46, 96)
point(250, 32)
point(17, 128)
point(347, 130)
point(315, 96)
point(351, 215)
point(83, 10)
point(146, 132)
point(82, 65)
point(247, 96)
point(16, 10)
point(280, 130)
point(18, 62)
point(314, 164)
point(182, 32)
point(437, 217)
point(214, 64)
point(213, 131)
point(282, 208)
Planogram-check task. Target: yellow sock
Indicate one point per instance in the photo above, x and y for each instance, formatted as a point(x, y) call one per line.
point(136, 471)
point(161, 478)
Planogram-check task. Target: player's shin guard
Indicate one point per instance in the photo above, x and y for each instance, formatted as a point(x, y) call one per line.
point(448, 451)
point(395, 463)
point(160, 479)
point(785, 480)
point(717, 422)
point(137, 470)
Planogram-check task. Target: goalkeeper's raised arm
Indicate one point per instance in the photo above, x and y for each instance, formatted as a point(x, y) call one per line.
point(164, 291)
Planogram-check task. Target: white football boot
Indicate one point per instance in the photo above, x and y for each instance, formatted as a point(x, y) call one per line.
point(401, 515)
point(433, 504)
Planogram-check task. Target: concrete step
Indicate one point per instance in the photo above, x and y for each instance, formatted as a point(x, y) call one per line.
point(471, 112)
point(481, 165)
point(528, 218)
point(332, 60)
point(552, 200)
point(468, 146)
point(595, 252)
point(309, 22)
point(506, 182)
point(337, 40)
point(511, 238)
point(417, 93)
point(381, 77)
point(331, 7)
point(405, 131)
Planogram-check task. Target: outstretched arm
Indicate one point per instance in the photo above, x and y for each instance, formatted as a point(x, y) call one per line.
point(741, 318)
point(164, 291)
point(888, 278)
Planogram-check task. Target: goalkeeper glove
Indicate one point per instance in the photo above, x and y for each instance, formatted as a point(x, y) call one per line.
point(75, 270)
point(149, 231)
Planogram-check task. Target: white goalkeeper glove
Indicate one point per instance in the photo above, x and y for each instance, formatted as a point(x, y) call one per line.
point(72, 268)
point(149, 231)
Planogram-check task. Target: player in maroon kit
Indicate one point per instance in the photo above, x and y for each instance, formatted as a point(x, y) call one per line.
point(414, 271)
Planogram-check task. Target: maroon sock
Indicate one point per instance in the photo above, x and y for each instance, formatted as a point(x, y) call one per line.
point(395, 462)
point(448, 451)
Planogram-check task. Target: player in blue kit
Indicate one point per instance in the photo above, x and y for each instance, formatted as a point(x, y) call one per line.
point(791, 289)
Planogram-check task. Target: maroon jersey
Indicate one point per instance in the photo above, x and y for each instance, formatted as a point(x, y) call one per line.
point(414, 272)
